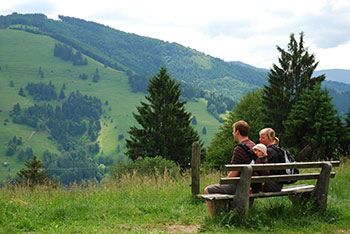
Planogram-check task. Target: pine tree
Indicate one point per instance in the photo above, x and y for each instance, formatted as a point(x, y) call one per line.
point(194, 120)
point(96, 76)
point(312, 122)
point(344, 135)
point(21, 92)
point(35, 173)
point(165, 126)
point(288, 81)
point(62, 95)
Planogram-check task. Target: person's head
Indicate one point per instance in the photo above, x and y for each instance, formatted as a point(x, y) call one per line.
point(240, 130)
point(260, 150)
point(268, 137)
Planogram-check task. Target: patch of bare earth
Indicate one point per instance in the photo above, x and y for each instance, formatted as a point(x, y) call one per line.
point(343, 231)
point(182, 229)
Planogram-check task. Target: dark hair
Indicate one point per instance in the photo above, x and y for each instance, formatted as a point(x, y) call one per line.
point(242, 126)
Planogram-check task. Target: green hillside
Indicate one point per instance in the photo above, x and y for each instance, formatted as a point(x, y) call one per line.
point(143, 55)
point(23, 54)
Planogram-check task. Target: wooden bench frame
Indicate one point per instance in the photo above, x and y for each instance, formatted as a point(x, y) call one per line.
point(296, 193)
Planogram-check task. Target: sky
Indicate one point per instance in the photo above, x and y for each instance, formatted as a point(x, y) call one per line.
point(244, 30)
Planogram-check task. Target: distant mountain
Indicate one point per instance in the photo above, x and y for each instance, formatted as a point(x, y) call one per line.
point(96, 117)
point(339, 75)
point(143, 55)
point(338, 84)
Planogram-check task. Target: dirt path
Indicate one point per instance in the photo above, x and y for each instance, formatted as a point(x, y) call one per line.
point(33, 132)
point(182, 229)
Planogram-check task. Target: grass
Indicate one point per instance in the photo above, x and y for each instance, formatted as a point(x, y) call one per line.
point(23, 53)
point(134, 204)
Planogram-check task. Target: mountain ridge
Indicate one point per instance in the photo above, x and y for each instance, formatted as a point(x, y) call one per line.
point(338, 75)
point(143, 55)
point(28, 58)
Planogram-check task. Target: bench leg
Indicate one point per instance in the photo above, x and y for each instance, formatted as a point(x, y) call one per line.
point(300, 199)
point(321, 189)
point(219, 206)
point(251, 202)
point(241, 198)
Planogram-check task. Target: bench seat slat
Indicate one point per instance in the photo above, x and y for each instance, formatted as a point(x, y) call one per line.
point(279, 166)
point(215, 196)
point(302, 188)
point(275, 178)
point(284, 191)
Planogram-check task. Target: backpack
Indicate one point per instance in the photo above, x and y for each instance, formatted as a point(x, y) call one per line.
point(286, 157)
point(249, 151)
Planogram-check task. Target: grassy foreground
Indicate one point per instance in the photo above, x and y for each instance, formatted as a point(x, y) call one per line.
point(146, 205)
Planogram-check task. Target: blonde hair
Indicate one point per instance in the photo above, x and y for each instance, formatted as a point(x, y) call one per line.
point(270, 133)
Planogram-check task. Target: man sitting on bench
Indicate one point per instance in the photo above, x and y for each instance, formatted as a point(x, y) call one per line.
point(240, 156)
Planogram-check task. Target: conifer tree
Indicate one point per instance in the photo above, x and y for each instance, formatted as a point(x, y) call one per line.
point(165, 126)
point(344, 134)
point(288, 81)
point(62, 95)
point(96, 76)
point(21, 92)
point(312, 122)
point(34, 174)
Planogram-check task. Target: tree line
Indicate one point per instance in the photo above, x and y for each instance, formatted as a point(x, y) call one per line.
point(124, 51)
point(67, 54)
point(41, 91)
point(78, 115)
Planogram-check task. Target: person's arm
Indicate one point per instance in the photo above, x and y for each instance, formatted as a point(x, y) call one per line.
point(233, 174)
point(236, 159)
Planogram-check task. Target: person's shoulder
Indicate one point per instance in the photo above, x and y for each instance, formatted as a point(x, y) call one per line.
point(272, 147)
point(248, 143)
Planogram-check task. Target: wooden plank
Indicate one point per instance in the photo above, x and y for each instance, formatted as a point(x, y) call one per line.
point(275, 178)
point(240, 201)
point(195, 166)
point(298, 186)
point(279, 166)
point(215, 196)
point(283, 192)
point(321, 189)
point(302, 188)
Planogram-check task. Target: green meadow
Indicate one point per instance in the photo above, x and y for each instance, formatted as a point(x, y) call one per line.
point(162, 204)
point(21, 56)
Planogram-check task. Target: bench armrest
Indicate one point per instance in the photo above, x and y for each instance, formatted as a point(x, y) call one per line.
point(280, 166)
point(275, 178)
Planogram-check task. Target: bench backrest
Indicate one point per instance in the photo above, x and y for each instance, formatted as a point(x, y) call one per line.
point(278, 166)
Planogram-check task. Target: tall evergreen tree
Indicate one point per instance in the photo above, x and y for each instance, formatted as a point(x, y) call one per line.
point(96, 76)
point(312, 123)
point(21, 92)
point(34, 174)
point(344, 134)
point(288, 81)
point(62, 95)
point(165, 126)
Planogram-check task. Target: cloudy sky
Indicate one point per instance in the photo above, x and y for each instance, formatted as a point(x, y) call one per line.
point(244, 30)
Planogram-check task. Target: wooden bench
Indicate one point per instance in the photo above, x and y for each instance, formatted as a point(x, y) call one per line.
point(297, 193)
